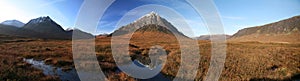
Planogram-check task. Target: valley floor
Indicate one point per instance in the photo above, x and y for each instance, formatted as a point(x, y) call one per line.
point(244, 61)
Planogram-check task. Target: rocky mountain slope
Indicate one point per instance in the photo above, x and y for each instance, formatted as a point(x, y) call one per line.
point(151, 18)
point(153, 32)
point(282, 31)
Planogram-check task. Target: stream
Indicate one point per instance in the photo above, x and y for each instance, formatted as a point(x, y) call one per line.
point(71, 75)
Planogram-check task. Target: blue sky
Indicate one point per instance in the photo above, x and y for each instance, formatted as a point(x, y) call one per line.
point(235, 14)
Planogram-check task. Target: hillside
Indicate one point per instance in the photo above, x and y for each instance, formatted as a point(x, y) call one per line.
point(282, 31)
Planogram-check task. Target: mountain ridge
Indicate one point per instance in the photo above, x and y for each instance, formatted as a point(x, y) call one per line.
point(42, 27)
point(286, 30)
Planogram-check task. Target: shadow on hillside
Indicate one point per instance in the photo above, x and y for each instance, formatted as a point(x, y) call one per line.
point(293, 78)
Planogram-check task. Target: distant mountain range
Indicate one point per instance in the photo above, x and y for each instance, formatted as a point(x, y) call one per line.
point(208, 37)
point(15, 23)
point(287, 30)
point(42, 27)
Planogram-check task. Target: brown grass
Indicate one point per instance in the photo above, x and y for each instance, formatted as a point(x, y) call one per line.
point(244, 61)
point(13, 68)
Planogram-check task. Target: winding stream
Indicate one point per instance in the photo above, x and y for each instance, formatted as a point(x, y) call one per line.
point(71, 75)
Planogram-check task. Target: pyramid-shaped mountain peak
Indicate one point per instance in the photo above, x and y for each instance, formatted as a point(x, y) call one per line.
point(151, 18)
point(44, 25)
point(40, 20)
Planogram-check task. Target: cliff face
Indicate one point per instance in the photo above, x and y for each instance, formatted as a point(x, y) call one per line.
point(281, 31)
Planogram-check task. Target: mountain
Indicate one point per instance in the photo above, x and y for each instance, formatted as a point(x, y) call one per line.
point(78, 34)
point(15, 23)
point(151, 18)
point(47, 28)
point(42, 27)
point(208, 37)
point(282, 31)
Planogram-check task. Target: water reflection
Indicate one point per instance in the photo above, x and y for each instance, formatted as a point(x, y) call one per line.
point(70, 75)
